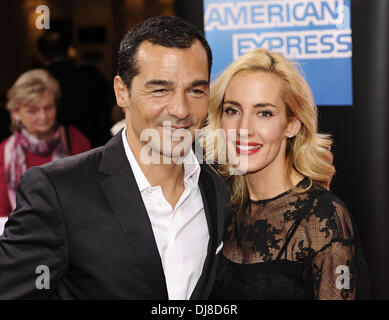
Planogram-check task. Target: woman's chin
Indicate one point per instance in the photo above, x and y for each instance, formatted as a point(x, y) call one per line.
point(43, 133)
point(243, 165)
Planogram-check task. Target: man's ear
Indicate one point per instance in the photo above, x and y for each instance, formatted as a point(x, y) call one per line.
point(293, 128)
point(121, 92)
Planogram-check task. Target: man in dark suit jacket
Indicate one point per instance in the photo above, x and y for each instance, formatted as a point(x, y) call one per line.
point(115, 222)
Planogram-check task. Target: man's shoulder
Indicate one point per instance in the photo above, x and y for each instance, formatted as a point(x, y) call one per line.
point(105, 159)
point(210, 169)
point(77, 163)
point(210, 172)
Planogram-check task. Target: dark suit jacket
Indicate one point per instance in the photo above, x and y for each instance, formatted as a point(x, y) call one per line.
point(84, 218)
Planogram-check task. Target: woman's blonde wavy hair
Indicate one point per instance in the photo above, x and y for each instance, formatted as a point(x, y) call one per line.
point(309, 152)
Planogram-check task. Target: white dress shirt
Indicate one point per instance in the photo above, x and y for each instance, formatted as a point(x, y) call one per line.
point(181, 233)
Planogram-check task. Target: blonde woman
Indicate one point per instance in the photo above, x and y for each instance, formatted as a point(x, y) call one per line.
point(287, 235)
point(37, 137)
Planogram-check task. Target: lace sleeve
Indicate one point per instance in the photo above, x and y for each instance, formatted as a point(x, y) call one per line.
point(339, 268)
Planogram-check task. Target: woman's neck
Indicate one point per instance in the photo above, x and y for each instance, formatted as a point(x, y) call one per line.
point(44, 136)
point(267, 184)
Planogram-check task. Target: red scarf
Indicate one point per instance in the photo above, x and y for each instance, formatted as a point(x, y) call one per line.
point(15, 158)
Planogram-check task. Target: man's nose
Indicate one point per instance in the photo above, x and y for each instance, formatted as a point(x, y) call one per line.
point(178, 107)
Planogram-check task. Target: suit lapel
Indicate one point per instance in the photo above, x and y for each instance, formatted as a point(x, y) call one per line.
point(126, 201)
point(215, 226)
point(123, 194)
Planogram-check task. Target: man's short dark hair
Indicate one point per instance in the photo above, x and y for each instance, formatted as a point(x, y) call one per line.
point(169, 31)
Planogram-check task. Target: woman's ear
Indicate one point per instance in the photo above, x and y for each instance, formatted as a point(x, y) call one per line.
point(15, 114)
point(121, 92)
point(293, 128)
point(15, 119)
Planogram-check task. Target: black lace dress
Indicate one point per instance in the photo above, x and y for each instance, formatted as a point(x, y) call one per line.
point(294, 246)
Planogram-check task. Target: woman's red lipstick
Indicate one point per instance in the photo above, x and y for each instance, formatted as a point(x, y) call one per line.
point(247, 148)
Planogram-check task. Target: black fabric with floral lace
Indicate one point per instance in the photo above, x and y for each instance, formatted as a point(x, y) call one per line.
point(293, 246)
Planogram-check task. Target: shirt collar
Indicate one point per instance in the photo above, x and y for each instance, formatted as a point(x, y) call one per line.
point(140, 178)
point(191, 167)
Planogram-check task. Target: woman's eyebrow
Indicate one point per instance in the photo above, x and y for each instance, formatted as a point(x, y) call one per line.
point(234, 103)
point(265, 104)
point(257, 105)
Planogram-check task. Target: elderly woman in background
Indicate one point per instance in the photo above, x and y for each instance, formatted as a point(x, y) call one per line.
point(37, 137)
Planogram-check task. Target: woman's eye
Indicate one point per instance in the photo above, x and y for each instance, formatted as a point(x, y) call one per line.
point(230, 111)
point(265, 114)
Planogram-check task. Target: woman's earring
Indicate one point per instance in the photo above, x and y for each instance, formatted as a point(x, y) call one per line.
point(17, 122)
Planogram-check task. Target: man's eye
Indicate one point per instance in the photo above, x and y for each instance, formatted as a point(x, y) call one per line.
point(196, 92)
point(159, 92)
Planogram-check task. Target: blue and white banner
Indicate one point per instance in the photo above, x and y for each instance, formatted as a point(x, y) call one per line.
point(315, 33)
